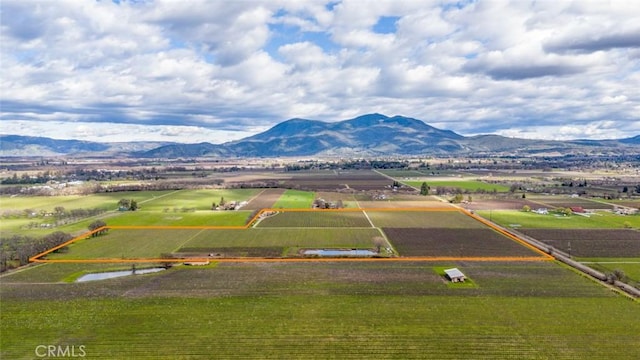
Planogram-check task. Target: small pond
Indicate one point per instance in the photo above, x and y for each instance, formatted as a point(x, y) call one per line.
point(333, 252)
point(116, 274)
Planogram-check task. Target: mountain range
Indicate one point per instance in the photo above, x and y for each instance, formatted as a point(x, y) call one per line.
point(366, 135)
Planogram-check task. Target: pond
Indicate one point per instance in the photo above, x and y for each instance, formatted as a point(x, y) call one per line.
point(116, 274)
point(334, 252)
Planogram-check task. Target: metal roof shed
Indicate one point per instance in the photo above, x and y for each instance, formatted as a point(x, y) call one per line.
point(455, 275)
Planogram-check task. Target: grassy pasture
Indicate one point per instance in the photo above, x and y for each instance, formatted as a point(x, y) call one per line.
point(470, 185)
point(601, 220)
point(107, 201)
point(316, 219)
point(128, 244)
point(295, 199)
point(198, 199)
point(423, 219)
point(341, 310)
point(300, 238)
point(197, 218)
point(151, 243)
point(630, 267)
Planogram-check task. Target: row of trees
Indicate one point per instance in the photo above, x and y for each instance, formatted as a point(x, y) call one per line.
point(16, 250)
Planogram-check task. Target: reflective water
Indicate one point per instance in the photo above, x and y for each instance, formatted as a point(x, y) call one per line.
point(116, 274)
point(352, 252)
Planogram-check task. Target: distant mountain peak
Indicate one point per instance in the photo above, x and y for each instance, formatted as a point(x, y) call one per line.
point(366, 135)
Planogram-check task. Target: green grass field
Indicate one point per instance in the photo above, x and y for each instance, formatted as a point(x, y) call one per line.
point(128, 244)
point(316, 219)
point(630, 267)
point(198, 218)
point(299, 237)
point(470, 185)
point(601, 220)
point(295, 199)
point(346, 310)
point(342, 310)
point(151, 243)
point(409, 219)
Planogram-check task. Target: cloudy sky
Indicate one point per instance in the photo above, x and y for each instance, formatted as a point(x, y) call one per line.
point(195, 70)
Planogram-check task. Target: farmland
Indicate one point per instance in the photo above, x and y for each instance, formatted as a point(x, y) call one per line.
point(599, 220)
point(422, 219)
point(243, 305)
point(295, 199)
point(464, 185)
point(453, 242)
point(591, 242)
point(347, 309)
point(324, 218)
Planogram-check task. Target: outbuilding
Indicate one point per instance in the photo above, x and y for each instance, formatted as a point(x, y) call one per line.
point(455, 275)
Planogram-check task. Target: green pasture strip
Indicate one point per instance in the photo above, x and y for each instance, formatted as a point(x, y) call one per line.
point(470, 185)
point(201, 199)
point(423, 219)
point(107, 201)
point(128, 244)
point(316, 219)
point(630, 266)
point(347, 326)
point(295, 199)
point(284, 237)
point(600, 220)
point(179, 218)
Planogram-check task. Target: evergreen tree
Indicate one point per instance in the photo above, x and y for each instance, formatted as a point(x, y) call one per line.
point(424, 189)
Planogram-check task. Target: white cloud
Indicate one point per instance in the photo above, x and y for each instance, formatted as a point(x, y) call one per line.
point(545, 68)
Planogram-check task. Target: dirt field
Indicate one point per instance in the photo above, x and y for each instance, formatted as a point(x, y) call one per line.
point(572, 202)
point(504, 204)
point(590, 242)
point(343, 181)
point(425, 202)
point(266, 199)
point(453, 242)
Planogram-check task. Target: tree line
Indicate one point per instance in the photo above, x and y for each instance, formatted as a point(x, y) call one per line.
point(16, 250)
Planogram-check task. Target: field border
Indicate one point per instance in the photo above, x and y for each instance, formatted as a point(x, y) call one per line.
point(544, 256)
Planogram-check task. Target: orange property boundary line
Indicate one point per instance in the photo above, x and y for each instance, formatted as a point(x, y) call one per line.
point(545, 257)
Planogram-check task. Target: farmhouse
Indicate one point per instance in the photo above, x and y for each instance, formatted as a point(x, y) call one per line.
point(455, 275)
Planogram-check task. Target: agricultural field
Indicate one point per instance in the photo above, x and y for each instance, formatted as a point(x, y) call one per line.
point(423, 219)
point(179, 218)
point(464, 185)
point(264, 199)
point(591, 243)
point(295, 199)
point(309, 310)
point(558, 201)
point(323, 218)
point(127, 244)
point(629, 266)
point(336, 181)
point(287, 240)
point(454, 242)
point(599, 220)
point(394, 307)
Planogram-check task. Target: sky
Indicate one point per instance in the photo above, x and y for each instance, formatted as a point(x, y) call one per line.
point(216, 71)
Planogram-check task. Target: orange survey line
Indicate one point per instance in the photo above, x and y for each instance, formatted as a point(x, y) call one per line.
point(304, 259)
point(545, 257)
point(507, 234)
